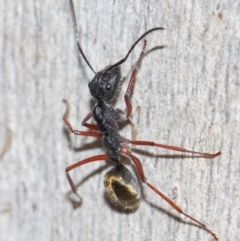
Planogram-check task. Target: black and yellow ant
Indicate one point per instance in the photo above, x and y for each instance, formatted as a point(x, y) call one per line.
point(121, 186)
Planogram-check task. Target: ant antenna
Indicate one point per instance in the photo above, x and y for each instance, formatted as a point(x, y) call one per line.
point(77, 36)
point(125, 58)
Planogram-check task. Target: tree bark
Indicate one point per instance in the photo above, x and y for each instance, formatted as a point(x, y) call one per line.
point(186, 94)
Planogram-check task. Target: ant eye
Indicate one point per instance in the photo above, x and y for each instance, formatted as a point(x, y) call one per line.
point(108, 87)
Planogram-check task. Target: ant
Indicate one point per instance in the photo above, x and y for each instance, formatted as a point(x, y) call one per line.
point(121, 186)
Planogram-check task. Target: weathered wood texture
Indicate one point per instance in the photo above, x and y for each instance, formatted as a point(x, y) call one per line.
point(187, 94)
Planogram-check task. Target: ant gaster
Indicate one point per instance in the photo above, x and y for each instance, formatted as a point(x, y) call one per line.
point(121, 187)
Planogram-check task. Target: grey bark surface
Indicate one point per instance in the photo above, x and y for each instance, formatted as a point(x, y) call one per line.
point(187, 94)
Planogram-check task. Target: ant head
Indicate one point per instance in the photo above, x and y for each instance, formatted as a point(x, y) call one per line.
point(104, 84)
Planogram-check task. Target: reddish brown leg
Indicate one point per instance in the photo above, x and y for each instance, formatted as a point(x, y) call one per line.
point(140, 171)
point(174, 148)
point(90, 126)
point(78, 164)
point(132, 82)
point(76, 132)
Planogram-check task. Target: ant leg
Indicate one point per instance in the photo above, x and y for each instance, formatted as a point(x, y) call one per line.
point(90, 126)
point(174, 148)
point(132, 82)
point(78, 164)
point(76, 132)
point(140, 171)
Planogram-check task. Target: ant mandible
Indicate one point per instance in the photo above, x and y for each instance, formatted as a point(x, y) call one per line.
point(121, 187)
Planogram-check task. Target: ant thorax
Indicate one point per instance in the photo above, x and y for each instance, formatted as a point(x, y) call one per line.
point(106, 117)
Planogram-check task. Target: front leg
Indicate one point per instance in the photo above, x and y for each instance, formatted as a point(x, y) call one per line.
point(90, 126)
point(132, 82)
point(76, 132)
